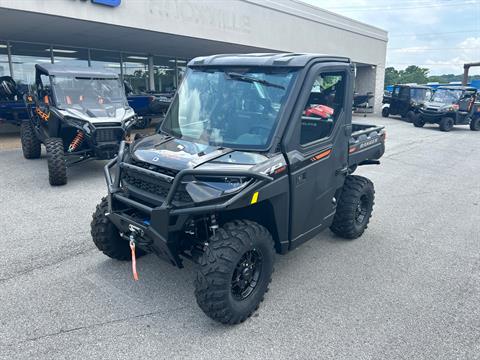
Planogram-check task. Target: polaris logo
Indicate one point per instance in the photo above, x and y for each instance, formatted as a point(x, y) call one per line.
point(368, 143)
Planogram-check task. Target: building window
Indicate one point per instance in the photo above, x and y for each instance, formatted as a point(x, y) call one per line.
point(24, 58)
point(135, 72)
point(164, 75)
point(70, 56)
point(4, 67)
point(109, 60)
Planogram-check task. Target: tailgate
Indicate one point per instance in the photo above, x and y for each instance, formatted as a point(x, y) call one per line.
point(367, 142)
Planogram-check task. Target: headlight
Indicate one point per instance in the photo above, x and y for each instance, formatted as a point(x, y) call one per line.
point(127, 123)
point(204, 188)
point(77, 123)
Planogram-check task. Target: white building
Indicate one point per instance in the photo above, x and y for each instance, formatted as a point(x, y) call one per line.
point(135, 36)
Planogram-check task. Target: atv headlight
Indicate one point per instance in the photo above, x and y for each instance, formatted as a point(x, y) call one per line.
point(128, 123)
point(204, 188)
point(77, 123)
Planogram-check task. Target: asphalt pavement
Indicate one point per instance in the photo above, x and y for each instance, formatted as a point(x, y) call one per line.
point(409, 288)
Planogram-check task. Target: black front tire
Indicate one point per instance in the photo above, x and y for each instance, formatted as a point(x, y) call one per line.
point(475, 124)
point(31, 146)
point(106, 236)
point(446, 124)
point(418, 122)
point(385, 112)
point(234, 271)
point(57, 168)
point(354, 207)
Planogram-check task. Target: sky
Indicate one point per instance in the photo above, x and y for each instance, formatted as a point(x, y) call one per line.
point(440, 35)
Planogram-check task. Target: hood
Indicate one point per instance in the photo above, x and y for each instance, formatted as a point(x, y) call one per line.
point(436, 105)
point(99, 115)
point(177, 154)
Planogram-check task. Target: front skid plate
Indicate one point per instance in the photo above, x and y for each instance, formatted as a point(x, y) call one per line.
point(152, 241)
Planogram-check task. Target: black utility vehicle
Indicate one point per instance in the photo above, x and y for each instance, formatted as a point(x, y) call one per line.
point(254, 157)
point(405, 101)
point(78, 114)
point(449, 106)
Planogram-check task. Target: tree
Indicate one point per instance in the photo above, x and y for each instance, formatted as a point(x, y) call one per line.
point(391, 76)
point(414, 74)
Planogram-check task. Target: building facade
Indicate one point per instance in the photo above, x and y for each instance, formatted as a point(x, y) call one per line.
point(149, 41)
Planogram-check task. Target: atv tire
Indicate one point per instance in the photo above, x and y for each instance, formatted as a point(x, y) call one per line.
point(106, 236)
point(385, 112)
point(446, 124)
point(57, 168)
point(475, 124)
point(31, 146)
point(418, 122)
point(354, 207)
point(234, 271)
point(410, 116)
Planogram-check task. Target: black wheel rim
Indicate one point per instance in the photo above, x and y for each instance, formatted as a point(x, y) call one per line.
point(362, 210)
point(246, 274)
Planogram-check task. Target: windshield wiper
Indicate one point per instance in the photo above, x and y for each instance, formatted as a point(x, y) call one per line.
point(242, 77)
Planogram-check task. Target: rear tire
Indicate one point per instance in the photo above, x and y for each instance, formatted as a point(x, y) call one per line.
point(106, 236)
point(31, 146)
point(446, 124)
point(418, 122)
point(475, 124)
point(411, 116)
point(234, 271)
point(57, 168)
point(385, 112)
point(354, 207)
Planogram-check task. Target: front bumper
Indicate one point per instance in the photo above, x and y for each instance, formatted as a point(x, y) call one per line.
point(163, 224)
point(433, 117)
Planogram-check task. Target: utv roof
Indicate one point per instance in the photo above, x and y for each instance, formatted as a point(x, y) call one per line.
point(454, 87)
point(56, 69)
point(264, 59)
point(415, 86)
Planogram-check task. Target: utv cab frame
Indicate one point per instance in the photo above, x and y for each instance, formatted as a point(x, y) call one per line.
point(79, 114)
point(255, 156)
point(405, 101)
point(450, 106)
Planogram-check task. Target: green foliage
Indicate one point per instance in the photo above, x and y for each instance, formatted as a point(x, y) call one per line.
point(391, 76)
point(415, 74)
point(412, 74)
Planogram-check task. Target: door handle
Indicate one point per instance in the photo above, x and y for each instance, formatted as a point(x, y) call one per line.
point(301, 178)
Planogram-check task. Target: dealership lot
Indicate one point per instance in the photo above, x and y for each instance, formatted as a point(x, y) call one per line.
point(409, 288)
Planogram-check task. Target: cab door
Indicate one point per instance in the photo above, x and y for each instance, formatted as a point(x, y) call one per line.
point(318, 148)
point(394, 104)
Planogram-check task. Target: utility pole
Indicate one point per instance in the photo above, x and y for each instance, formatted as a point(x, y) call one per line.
point(466, 68)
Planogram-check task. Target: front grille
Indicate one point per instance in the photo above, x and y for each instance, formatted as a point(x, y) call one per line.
point(153, 186)
point(109, 135)
point(155, 168)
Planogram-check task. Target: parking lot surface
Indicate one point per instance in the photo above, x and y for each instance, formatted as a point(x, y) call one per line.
point(408, 288)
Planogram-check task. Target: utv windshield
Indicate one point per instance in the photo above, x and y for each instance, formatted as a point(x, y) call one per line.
point(229, 107)
point(420, 95)
point(447, 96)
point(88, 93)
